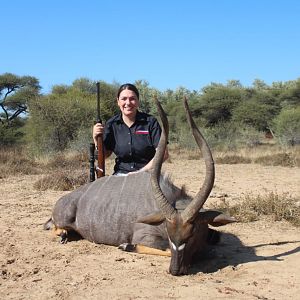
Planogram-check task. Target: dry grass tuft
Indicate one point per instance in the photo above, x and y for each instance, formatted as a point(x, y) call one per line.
point(266, 155)
point(280, 207)
point(16, 162)
point(66, 171)
point(61, 180)
point(176, 151)
point(278, 159)
point(70, 161)
point(232, 159)
point(63, 171)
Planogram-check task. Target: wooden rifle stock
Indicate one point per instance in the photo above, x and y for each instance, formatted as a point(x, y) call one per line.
point(100, 169)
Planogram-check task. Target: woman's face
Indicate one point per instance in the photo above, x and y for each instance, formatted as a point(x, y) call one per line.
point(128, 103)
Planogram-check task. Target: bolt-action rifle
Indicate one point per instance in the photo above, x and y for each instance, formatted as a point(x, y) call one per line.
point(100, 168)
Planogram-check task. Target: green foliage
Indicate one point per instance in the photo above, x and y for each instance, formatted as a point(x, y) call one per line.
point(221, 136)
point(255, 114)
point(81, 141)
point(108, 100)
point(15, 93)
point(55, 119)
point(230, 136)
point(217, 103)
point(229, 115)
point(290, 97)
point(58, 120)
point(287, 126)
point(8, 135)
point(83, 87)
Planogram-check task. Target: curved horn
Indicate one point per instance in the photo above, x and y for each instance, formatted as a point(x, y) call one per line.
point(198, 201)
point(167, 209)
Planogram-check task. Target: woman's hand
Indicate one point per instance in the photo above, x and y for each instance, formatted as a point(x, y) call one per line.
point(98, 129)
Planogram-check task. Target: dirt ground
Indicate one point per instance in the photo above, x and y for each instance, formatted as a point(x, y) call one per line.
point(258, 260)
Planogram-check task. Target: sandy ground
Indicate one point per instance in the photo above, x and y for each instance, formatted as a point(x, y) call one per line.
point(258, 260)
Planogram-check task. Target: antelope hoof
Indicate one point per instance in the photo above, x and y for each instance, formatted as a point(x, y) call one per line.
point(127, 247)
point(63, 238)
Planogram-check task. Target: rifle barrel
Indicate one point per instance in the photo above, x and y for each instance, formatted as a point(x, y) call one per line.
point(98, 103)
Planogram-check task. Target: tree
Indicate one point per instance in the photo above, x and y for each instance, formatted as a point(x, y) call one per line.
point(217, 103)
point(254, 114)
point(60, 118)
point(233, 83)
point(259, 85)
point(15, 92)
point(55, 119)
point(258, 108)
point(146, 96)
point(291, 96)
point(85, 85)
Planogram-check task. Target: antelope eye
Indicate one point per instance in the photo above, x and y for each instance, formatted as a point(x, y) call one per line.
point(181, 247)
point(173, 246)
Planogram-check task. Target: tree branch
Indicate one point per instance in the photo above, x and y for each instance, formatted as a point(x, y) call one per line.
point(5, 111)
point(17, 112)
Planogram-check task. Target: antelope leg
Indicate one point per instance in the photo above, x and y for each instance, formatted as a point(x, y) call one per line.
point(62, 233)
point(141, 249)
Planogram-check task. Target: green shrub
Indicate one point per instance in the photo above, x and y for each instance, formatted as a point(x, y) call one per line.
point(287, 126)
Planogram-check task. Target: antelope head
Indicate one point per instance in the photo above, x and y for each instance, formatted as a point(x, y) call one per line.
point(187, 230)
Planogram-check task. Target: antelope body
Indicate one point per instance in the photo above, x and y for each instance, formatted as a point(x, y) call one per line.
point(138, 212)
point(106, 210)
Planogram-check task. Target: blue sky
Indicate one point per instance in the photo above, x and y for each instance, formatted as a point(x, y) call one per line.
point(169, 43)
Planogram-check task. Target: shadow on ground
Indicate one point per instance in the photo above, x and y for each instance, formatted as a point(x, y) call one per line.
point(232, 252)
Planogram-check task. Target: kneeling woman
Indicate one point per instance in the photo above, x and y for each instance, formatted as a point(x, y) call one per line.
point(131, 135)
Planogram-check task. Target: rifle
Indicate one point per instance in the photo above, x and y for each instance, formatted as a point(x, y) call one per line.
point(92, 162)
point(100, 169)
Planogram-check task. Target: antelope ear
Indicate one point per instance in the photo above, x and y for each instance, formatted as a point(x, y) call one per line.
point(155, 218)
point(215, 218)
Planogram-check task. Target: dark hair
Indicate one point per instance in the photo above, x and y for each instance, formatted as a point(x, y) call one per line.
point(128, 86)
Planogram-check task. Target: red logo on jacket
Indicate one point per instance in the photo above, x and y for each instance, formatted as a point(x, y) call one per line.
point(142, 132)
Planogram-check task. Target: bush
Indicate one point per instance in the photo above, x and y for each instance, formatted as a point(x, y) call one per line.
point(10, 135)
point(56, 119)
point(82, 140)
point(231, 136)
point(287, 126)
point(280, 207)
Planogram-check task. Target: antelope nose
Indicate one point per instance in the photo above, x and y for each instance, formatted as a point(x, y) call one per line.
point(178, 271)
point(174, 272)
